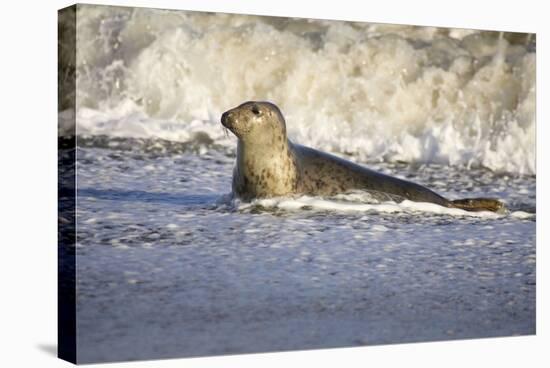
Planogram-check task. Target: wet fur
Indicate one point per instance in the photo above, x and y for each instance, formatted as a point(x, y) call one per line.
point(269, 165)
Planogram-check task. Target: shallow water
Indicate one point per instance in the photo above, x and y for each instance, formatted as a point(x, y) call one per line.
point(169, 266)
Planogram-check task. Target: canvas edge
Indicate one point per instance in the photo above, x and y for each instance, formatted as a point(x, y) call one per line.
point(66, 150)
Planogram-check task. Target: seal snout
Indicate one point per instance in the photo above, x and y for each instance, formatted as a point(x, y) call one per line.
point(225, 119)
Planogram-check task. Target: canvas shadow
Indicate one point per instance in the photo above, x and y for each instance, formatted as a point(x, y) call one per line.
point(50, 349)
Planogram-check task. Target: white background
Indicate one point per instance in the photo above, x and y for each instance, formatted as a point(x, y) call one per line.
point(28, 169)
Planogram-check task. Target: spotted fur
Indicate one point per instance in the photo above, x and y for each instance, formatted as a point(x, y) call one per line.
point(269, 165)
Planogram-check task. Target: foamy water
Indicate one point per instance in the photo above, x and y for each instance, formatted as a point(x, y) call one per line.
point(168, 265)
point(306, 202)
point(376, 92)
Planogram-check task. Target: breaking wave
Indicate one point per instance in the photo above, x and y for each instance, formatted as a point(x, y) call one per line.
point(373, 91)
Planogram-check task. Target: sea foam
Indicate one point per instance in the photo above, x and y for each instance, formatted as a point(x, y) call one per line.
point(349, 203)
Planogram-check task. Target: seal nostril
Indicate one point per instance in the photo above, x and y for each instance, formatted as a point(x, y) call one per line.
point(225, 117)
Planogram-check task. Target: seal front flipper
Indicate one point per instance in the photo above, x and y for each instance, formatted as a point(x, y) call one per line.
point(479, 204)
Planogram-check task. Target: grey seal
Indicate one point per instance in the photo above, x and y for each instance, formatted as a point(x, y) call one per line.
point(269, 164)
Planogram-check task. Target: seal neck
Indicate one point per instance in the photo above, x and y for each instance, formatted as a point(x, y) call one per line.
point(267, 170)
point(262, 155)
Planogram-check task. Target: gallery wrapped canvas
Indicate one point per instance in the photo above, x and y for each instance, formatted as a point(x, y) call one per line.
point(235, 184)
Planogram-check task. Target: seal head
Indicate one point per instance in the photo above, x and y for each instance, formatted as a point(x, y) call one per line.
point(254, 121)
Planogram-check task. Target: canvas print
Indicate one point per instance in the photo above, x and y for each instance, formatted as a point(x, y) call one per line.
point(235, 184)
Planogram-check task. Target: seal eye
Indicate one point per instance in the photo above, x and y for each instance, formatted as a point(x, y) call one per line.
point(255, 110)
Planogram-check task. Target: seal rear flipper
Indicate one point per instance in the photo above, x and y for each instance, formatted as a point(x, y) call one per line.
point(479, 204)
